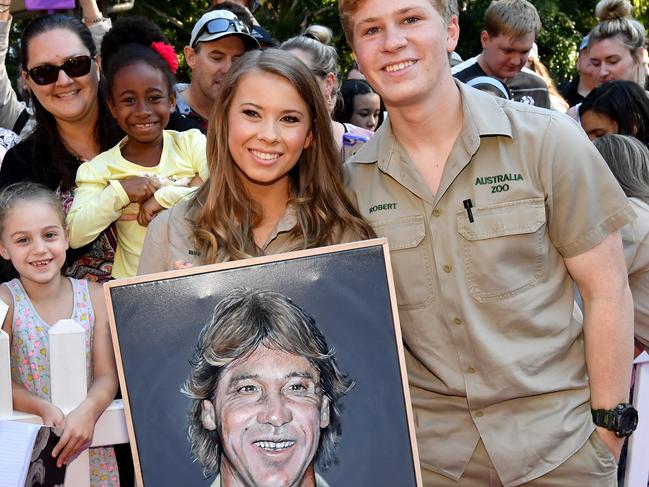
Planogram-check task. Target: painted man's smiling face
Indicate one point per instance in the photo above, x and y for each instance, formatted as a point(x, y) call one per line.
point(269, 411)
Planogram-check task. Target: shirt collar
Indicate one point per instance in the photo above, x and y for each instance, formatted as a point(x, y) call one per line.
point(319, 481)
point(483, 117)
point(285, 224)
point(379, 148)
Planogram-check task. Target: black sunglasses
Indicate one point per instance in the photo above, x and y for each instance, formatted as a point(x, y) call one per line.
point(46, 74)
point(216, 26)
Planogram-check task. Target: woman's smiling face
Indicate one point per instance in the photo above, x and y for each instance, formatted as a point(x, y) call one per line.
point(269, 125)
point(67, 99)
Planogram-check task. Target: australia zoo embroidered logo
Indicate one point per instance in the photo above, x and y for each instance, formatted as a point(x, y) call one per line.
point(500, 182)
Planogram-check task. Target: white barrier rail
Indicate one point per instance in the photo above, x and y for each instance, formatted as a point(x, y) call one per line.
point(68, 382)
point(637, 461)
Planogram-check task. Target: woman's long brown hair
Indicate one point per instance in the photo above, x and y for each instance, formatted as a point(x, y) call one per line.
point(222, 213)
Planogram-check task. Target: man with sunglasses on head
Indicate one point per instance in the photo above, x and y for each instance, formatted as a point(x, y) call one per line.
point(218, 39)
point(250, 7)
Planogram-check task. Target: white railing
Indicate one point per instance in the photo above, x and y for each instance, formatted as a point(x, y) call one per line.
point(68, 383)
point(637, 461)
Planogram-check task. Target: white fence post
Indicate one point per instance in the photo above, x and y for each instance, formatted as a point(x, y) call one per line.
point(68, 380)
point(637, 461)
point(6, 408)
point(69, 388)
point(68, 364)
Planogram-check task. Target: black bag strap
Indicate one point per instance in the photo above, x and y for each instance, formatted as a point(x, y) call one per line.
point(22, 120)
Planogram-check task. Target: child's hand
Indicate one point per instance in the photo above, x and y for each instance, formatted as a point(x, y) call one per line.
point(51, 415)
point(139, 188)
point(148, 210)
point(182, 264)
point(196, 181)
point(78, 430)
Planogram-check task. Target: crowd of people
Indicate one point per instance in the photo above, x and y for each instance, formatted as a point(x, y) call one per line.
point(495, 203)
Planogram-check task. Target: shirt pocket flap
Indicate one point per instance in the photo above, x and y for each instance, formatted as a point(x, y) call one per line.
point(502, 219)
point(412, 259)
point(402, 233)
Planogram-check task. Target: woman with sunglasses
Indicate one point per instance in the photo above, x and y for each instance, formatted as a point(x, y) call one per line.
point(14, 113)
point(73, 124)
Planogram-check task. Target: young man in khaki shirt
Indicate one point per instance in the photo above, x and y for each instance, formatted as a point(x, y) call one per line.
point(492, 209)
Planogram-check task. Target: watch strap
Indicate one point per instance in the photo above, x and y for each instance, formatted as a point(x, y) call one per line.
point(604, 418)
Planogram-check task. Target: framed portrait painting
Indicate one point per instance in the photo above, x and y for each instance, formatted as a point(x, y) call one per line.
point(278, 370)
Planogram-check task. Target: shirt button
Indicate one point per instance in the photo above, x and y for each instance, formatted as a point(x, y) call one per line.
point(437, 212)
point(447, 268)
point(471, 370)
point(479, 414)
point(457, 321)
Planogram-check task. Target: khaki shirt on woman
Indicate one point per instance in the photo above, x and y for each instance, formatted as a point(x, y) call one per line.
point(169, 239)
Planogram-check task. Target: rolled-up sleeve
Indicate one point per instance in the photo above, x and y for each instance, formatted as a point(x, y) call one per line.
point(98, 202)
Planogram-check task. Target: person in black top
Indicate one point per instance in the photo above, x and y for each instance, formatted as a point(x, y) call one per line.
point(73, 124)
point(510, 29)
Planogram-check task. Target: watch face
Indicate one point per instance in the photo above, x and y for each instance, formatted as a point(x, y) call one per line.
point(627, 418)
point(630, 420)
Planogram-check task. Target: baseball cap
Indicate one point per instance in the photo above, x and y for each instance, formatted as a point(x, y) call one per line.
point(221, 23)
point(262, 36)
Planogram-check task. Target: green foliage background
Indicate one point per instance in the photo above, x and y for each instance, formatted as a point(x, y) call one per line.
point(565, 22)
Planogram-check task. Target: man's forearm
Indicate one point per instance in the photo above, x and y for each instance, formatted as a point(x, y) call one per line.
point(608, 333)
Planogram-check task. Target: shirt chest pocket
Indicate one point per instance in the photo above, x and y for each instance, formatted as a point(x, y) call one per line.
point(504, 248)
point(411, 257)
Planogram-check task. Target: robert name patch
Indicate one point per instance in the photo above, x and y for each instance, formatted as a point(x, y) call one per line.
point(384, 206)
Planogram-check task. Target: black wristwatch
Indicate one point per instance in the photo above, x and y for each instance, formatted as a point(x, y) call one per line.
point(622, 420)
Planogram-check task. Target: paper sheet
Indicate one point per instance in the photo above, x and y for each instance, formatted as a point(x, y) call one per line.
point(16, 445)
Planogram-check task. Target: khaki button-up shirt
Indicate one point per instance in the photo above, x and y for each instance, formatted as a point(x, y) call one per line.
point(494, 344)
point(169, 239)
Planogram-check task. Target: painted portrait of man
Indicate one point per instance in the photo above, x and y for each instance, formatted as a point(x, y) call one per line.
point(265, 390)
